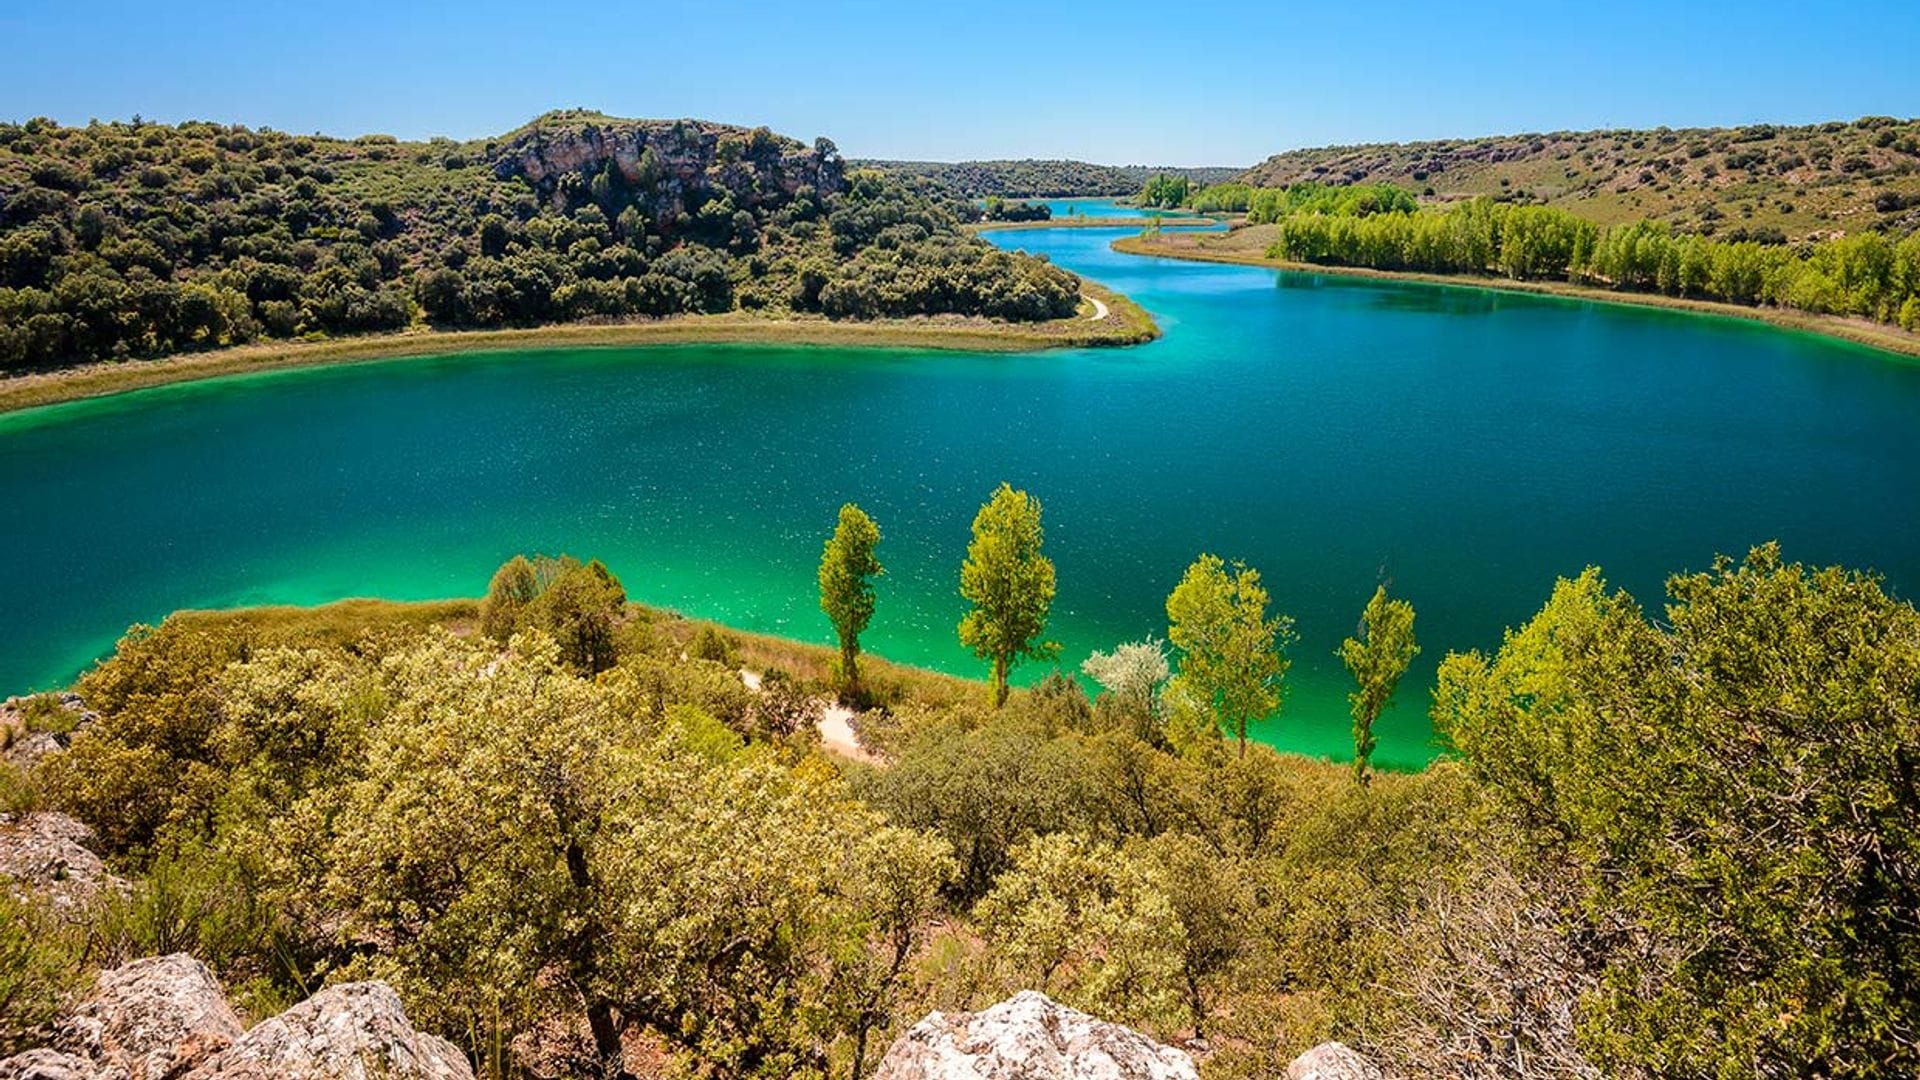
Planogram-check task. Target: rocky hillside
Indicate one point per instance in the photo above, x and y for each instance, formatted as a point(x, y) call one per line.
point(1763, 181)
point(1043, 179)
point(134, 239)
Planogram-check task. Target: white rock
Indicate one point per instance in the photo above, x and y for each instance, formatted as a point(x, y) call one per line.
point(354, 1031)
point(1332, 1061)
point(1029, 1037)
point(153, 1018)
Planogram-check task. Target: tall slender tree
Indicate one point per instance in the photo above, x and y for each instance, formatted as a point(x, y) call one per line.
point(1377, 659)
point(847, 569)
point(1231, 661)
point(1010, 584)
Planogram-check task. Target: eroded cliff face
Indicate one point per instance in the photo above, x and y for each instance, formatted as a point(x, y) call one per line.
point(675, 164)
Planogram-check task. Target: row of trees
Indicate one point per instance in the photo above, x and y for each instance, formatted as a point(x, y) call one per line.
point(1232, 656)
point(1863, 274)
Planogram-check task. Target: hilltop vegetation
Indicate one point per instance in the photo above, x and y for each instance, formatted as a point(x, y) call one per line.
point(1041, 179)
point(139, 239)
point(1761, 182)
point(576, 840)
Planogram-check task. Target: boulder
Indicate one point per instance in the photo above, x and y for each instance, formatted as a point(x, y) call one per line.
point(1029, 1037)
point(152, 1018)
point(1332, 1061)
point(46, 854)
point(354, 1031)
point(55, 1065)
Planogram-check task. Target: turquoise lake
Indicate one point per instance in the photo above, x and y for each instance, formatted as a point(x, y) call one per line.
point(1467, 446)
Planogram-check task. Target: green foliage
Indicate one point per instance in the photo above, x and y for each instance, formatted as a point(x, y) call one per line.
point(1010, 585)
point(38, 957)
point(1090, 924)
point(999, 209)
point(1739, 787)
point(1038, 179)
point(577, 603)
point(1766, 181)
point(1231, 659)
point(1862, 274)
point(1376, 659)
point(1165, 191)
point(139, 239)
point(847, 569)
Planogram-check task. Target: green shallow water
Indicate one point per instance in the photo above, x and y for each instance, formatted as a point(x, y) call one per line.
point(1470, 446)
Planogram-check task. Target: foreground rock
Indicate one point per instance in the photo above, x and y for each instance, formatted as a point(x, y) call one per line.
point(21, 745)
point(152, 1018)
point(164, 1018)
point(1332, 1061)
point(1029, 1037)
point(46, 854)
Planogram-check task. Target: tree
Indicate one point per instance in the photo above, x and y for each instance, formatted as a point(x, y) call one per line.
point(1091, 924)
point(578, 603)
point(579, 608)
point(1010, 585)
point(1377, 659)
point(847, 569)
point(1131, 676)
point(513, 587)
point(1733, 790)
point(1231, 662)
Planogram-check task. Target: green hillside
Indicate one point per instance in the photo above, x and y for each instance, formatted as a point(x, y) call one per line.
point(1763, 181)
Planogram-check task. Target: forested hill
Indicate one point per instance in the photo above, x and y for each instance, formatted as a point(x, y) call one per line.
point(141, 239)
point(1043, 179)
point(1762, 181)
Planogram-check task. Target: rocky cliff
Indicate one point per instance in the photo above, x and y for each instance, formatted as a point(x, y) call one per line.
point(672, 162)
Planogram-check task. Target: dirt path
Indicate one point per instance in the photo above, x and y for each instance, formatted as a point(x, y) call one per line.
point(835, 721)
point(1099, 309)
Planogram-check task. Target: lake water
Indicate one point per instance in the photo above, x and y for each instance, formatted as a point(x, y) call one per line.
point(1465, 445)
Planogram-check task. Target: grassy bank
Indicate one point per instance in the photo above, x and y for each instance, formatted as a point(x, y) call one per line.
point(344, 622)
point(1129, 325)
point(1247, 247)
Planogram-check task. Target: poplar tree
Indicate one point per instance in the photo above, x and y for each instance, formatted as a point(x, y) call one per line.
point(1010, 584)
point(1377, 659)
point(847, 569)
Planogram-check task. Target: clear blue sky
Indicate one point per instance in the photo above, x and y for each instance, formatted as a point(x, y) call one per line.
point(1224, 83)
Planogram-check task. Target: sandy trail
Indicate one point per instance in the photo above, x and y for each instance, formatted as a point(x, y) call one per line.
point(1099, 309)
point(835, 722)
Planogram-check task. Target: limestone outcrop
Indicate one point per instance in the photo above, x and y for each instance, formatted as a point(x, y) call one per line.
point(46, 855)
point(153, 1018)
point(1029, 1037)
point(355, 1031)
point(165, 1018)
point(1332, 1061)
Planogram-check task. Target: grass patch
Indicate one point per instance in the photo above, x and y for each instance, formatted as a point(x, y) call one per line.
point(648, 629)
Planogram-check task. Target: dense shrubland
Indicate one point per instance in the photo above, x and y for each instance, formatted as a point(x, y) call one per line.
point(1039, 179)
point(1684, 845)
point(140, 239)
point(1795, 182)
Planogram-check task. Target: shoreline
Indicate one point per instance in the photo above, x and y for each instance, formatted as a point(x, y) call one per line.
point(1093, 223)
point(1130, 325)
point(1903, 347)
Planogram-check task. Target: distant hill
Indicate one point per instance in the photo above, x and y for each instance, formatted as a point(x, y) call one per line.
point(132, 239)
point(1765, 181)
point(1042, 179)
